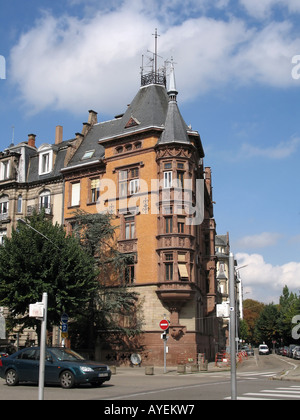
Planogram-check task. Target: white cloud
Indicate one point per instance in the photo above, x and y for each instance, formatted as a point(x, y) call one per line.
point(75, 64)
point(279, 151)
point(260, 240)
point(264, 282)
point(263, 8)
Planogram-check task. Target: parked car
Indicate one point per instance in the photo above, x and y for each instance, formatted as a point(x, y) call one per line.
point(296, 352)
point(263, 349)
point(62, 366)
point(6, 351)
point(248, 350)
point(285, 351)
point(290, 350)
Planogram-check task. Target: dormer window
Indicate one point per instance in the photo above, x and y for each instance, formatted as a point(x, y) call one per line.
point(5, 170)
point(45, 160)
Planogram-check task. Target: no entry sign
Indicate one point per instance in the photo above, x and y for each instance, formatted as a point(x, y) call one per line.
point(164, 324)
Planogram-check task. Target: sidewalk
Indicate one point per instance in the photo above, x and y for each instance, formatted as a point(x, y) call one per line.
point(170, 370)
point(292, 374)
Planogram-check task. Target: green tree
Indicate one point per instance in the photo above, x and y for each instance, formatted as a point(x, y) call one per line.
point(266, 328)
point(31, 264)
point(244, 330)
point(113, 312)
point(289, 306)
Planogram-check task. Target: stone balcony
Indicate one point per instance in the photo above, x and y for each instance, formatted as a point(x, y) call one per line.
point(175, 293)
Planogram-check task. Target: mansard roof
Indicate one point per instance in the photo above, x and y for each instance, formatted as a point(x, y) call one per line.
point(154, 108)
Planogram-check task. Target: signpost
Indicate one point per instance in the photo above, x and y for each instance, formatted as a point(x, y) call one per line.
point(2, 327)
point(39, 310)
point(64, 325)
point(164, 325)
point(232, 326)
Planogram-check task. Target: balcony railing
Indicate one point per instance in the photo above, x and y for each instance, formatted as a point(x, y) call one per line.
point(38, 208)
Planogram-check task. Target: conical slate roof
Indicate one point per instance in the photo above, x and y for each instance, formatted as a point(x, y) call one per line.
point(152, 107)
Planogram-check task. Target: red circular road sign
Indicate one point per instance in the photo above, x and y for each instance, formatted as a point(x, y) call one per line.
point(164, 324)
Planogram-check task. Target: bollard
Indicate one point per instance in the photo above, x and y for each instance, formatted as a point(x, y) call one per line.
point(113, 370)
point(204, 365)
point(181, 369)
point(149, 370)
point(194, 368)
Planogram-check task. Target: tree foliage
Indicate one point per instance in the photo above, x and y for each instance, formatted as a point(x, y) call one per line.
point(252, 310)
point(114, 310)
point(271, 322)
point(31, 264)
point(266, 326)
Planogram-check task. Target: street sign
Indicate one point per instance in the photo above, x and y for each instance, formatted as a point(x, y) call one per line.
point(2, 327)
point(164, 324)
point(64, 328)
point(64, 318)
point(36, 310)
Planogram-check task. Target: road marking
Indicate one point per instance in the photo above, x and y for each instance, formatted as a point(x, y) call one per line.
point(272, 394)
point(128, 396)
point(277, 393)
point(256, 373)
point(252, 398)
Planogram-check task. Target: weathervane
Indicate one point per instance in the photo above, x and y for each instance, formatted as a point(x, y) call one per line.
point(156, 76)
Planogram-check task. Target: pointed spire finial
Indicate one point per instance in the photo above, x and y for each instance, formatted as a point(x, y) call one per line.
point(172, 91)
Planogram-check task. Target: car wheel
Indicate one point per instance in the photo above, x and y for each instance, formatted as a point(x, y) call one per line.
point(11, 377)
point(67, 379)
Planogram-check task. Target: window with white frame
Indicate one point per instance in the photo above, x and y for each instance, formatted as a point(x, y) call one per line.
point(129, 182)
point(19, 204)
point(4, 205)
point(45, 160)
point(168, 179)
point(5, 169)
point(75, 194)
point(45, 201)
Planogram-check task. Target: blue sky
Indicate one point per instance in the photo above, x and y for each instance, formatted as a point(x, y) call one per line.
point(237, 86)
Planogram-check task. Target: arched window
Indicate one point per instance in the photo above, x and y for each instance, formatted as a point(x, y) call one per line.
point(44, 201)
point(19, 204)
point(4, 205)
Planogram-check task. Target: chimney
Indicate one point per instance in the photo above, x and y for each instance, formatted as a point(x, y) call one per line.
point(31, 140)
point(85, 128)
point(58, 134)
point(92, 117)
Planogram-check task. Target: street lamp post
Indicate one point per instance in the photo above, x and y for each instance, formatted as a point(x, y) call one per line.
point(43, 348)
point(232, 326)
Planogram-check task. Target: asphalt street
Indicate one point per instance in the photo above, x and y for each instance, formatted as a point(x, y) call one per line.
point(258, 377)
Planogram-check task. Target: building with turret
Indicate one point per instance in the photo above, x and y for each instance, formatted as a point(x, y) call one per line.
point(146, 167)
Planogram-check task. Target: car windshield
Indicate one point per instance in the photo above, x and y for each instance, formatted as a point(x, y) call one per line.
point(263, 347)
point(66, 354)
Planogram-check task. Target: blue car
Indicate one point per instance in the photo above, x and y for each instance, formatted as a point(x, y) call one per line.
point(62, 366)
